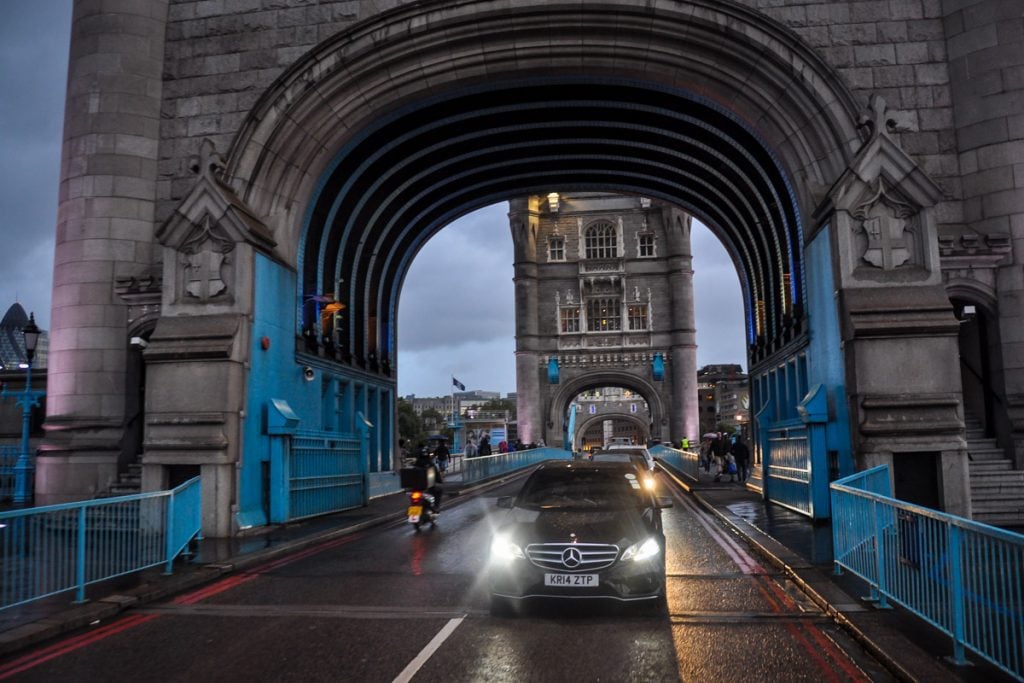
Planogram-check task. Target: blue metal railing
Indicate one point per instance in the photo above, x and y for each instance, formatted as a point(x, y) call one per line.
point(686, 462)
point(57, 548)
point(8, 459)
point(325, 473)
point(963, 577)
point(482, 467)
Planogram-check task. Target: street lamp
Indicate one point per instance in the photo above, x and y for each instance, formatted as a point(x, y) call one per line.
point(28, 400)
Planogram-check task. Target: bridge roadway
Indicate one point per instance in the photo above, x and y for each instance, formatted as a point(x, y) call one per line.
point(388, 604)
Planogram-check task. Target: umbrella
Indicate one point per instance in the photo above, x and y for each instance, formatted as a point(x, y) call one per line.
point(437, 437)
point(710, 435)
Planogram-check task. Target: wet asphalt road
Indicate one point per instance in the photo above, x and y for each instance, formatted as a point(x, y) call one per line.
point(389, 604)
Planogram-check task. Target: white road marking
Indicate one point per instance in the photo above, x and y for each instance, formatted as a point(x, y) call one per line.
point(416, 664)
point(746, 563)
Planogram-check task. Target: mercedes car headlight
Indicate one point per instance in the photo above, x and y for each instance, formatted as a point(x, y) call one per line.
point(643, 550)
point(504, 550)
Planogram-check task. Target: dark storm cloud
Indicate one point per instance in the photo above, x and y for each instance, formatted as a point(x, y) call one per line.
point(718, 302)
point(456, 315)
point(459, 289)
point(33, 75)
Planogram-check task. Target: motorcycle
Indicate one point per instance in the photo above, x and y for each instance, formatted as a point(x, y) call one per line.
point(422, 509)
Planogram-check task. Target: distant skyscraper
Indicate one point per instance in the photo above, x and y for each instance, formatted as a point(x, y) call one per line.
point(12, 341)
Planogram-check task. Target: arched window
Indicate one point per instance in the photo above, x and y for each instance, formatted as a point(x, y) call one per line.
point(601, 241)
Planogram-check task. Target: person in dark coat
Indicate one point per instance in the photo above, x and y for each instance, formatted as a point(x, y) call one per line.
point(425, 460)
point(443, 455)
point(740, 451)
point(484, 447)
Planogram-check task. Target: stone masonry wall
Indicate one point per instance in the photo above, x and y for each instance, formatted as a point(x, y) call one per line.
point(222, 54)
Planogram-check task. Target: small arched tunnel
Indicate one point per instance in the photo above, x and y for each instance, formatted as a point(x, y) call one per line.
point(591, 431)
point(565, 425)
point(415, 171)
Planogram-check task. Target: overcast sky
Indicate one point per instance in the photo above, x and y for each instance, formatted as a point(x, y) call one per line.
point(456, 311)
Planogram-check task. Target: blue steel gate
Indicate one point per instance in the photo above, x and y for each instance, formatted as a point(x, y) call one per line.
point(786, 465)
point(317, 472)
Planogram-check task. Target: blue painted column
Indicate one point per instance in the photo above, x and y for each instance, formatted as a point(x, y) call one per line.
point(814, 413)
point(25, 465)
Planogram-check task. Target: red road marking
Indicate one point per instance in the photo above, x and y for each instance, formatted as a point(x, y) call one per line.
point(37, 657)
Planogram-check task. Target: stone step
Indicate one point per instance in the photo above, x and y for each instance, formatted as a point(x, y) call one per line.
point(983, 475)
point(997, 481)
point(977, 454)
point(979, 466)
point(1002, 519)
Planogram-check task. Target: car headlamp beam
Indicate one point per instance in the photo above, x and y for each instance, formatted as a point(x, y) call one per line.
point(504, 550)
point(643, 550)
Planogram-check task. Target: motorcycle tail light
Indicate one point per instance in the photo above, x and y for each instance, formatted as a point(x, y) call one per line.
point(416, 496)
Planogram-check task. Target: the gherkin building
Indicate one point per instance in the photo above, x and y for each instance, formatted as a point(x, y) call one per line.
point(12, 341)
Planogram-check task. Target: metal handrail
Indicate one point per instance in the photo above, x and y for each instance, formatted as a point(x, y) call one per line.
point(964, 577)
point(687, 462)
point(484, 466)
point(57, 548)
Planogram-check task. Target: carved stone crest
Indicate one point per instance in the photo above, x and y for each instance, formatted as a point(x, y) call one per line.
point(883, 221)
point(204, 262)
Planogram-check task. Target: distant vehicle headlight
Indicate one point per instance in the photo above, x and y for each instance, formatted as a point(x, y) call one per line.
point(504, 550)
point(644, 550)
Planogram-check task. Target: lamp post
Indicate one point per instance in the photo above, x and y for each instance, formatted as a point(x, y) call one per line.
point(28, 400)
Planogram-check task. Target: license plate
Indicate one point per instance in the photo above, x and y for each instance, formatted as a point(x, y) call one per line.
point(415, 510)
point(573, 580)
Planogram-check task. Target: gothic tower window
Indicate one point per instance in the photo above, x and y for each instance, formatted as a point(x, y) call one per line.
point(645, 245)
point(600, 241)
point(637, 317)
point(570, 320)
point(604, 315)
point(556, 248)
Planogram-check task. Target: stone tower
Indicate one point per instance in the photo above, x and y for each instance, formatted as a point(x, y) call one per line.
point(604, 297)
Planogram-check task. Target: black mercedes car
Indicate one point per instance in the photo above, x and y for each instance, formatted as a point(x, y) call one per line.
point(579, 530)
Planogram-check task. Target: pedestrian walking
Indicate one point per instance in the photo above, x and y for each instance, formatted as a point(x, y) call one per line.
point(741, 452)
point(728, 468)
point(443, 455)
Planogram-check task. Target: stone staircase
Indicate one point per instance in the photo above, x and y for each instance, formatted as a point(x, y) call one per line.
point(997, 490)
point(126, 484)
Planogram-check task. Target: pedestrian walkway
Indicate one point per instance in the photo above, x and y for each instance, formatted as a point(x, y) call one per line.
point(788, 542)
point(908, 646)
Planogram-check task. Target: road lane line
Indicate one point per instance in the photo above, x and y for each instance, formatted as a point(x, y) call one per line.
point(416, 664)
point(826, 650)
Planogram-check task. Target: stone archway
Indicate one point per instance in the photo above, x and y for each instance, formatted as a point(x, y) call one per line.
point(380, 135)
point(586, 424)
point(556, 410)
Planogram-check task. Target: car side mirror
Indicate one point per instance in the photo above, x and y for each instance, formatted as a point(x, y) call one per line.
point(505, 501)
point(664, 502)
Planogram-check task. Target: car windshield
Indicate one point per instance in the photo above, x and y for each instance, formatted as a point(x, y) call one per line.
point(572, 488)
point(631, 451)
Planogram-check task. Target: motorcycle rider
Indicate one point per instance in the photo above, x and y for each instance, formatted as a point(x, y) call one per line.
point(426, 461)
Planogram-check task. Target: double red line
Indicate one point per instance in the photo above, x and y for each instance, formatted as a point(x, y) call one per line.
point(63, 647)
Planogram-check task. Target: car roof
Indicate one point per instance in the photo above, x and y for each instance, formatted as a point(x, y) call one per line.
point(607, 456)
point(613, 465)
point(623, 448)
